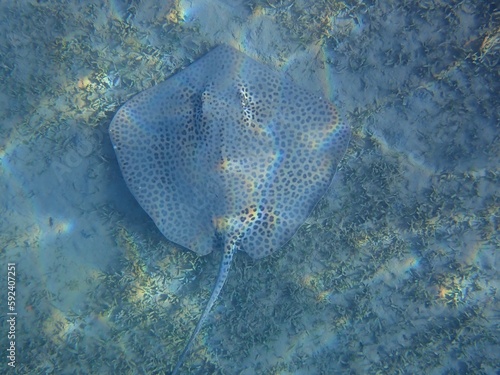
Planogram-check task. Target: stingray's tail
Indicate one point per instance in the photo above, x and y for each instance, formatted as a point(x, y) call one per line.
point(225, 264)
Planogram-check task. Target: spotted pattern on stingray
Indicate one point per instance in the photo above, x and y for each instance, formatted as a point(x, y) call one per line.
point(228, 146)
point(230, 149)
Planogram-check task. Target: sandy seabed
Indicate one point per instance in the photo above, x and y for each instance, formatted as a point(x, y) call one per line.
point(396, 270)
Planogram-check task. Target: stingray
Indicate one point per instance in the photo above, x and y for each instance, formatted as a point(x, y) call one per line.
point(228, 154)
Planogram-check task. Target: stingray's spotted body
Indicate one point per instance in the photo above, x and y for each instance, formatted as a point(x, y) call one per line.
point(228, 148)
